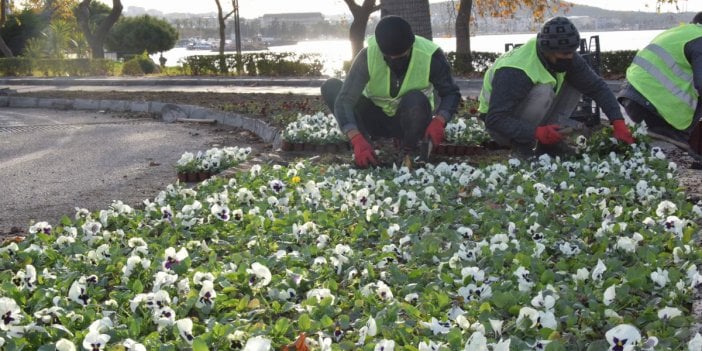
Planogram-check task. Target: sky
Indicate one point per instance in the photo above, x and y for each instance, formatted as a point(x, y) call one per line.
point(256, 8)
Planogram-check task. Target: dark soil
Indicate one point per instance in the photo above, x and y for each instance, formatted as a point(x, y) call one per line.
point(276, 109)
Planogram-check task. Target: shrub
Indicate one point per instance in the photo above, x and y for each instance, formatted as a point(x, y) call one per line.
point(615, 63)
point(256, 64)
point(132, 68)
point(15, 66)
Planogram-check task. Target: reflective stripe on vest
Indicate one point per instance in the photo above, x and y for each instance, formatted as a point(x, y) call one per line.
point(417, 77)
point(526, 59)
point(662, 74)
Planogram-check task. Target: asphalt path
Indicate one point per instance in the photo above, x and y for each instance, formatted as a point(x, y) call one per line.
point(52, 161)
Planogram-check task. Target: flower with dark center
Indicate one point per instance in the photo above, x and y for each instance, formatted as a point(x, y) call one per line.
point(170, 261)
point(7, 318)
point(619, 344)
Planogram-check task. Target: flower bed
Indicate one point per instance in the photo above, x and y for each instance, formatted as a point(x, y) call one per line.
point(317, 132)
point(198, 167)
point(598, 253)
point(464, 136)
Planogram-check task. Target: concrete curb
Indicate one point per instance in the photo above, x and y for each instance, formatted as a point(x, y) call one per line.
point(268, 133)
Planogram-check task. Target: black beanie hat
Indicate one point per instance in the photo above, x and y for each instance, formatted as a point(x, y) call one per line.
point(394, 35)
point(697, 19)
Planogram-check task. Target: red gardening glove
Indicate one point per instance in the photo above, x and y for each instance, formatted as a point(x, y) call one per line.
point(435, 130)
point(362, 152)
point(621, 131)
point(548, 134)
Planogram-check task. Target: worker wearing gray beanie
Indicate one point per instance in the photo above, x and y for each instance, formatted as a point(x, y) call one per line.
point(399, 87)
point(530, 93)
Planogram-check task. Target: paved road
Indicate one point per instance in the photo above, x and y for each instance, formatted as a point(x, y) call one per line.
point(52, 161)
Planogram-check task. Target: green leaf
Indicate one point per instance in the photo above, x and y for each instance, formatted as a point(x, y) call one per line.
point(555, 346)
point(327, 322)
point(304, 323)
point(281, 326)
point(137, 286)
point(598, 345)
point(200, 345)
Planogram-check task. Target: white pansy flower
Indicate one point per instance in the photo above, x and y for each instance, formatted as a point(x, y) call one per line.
point(609, 295)
point(666, 208)
point(78, 293)
point(10, 313)
point(171, 257)
point(185, 329)
point(384, 291)
point(207, 295)
point(668, 313)
point(623, 336)
point(660, 277)
point(385, 345)
point(431, 346)
point(65, 345)
point(598, 271)
point(260, 275)
point(131, 345)
point(626, 244)
point(320, 294)
point(200, 277)
point(437, 327)
point(477, 342)
point(94, 341)
point(695, 343)
point(528, 313)
point(258, 343)
point(502, 345)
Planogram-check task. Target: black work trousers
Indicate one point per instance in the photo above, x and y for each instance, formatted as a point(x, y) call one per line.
point(408, 125)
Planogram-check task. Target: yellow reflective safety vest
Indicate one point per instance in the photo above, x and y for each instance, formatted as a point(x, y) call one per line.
point(526, 59)
point(417, 77)
point(662, 74)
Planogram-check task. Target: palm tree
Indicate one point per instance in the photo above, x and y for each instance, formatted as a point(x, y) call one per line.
point(416, 12)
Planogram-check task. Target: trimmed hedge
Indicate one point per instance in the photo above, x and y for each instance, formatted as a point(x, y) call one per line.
point(20, 66)
point(614, 65)
point(255, 64)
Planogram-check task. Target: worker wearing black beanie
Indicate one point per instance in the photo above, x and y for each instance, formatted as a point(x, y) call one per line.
point(394, 35)
point(391, 92)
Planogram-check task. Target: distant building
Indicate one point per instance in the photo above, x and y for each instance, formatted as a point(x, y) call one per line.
point(303, 18)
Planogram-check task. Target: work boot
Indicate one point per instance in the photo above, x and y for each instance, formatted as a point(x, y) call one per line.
point(560, 149)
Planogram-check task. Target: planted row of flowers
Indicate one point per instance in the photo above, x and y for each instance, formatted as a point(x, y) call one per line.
point(596, 253)
point(321, 133)
point(316, 129)
point(201, 166)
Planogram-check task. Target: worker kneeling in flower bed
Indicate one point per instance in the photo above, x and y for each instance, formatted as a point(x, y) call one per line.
point(664, 84)
point(530, 93)
point(390, 93)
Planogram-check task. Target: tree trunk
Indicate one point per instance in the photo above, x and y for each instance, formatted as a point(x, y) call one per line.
point(220, 18)
point(4, 49)
point(357, 32)
point(416, 12)
point(96, 38)
point(464, 60)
